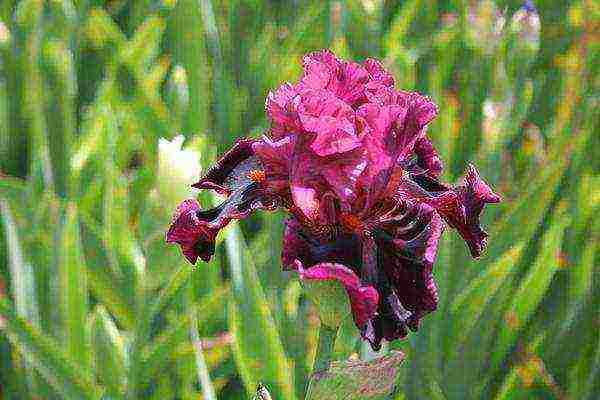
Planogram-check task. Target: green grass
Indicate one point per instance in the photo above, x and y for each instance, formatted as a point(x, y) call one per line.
point(94, 304)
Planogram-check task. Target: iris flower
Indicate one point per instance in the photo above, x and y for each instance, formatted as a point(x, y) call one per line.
point(348, 157)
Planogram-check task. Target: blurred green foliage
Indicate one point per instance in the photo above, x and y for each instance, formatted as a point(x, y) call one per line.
point(93, 304)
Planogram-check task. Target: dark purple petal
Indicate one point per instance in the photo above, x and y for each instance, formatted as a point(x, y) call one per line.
point(460, 207)
point(239, 175)
point(299, 243)
point(232, 169)
point(473, 195)
point(338, 259)
point(195, 229)
point(391, 320)
point(408, 246)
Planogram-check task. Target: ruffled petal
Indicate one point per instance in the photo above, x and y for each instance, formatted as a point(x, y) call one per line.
point(378, 75)
point(319, 69)
point(348, 81)
point(276, 158)
point(472, 195)
point(330, 119)
point(194, 236)
point(281, 108)
point(460, 207)
point(427, 157)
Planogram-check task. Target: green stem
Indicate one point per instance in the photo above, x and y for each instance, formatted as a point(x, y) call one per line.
point(327, 337)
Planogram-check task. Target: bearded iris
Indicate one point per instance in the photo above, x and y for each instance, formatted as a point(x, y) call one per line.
point(348, 157)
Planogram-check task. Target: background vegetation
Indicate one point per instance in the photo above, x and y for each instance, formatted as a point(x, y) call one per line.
point(94, 304)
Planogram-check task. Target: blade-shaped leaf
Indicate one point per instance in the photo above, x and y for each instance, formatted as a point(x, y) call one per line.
point(258, 349)
point(530, 292)
point(72, 380)
point(73, 289)
point(109, 352)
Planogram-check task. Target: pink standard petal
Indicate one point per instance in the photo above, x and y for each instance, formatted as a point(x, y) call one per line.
point(330, 119)
point(378, 74)
point(342, 173)
point(363, 299)
point(281, 109)
point(319, 68)
point(276, 158)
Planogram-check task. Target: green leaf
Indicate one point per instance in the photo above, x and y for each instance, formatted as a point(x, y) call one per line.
point(472, 301)
point(530, 292)
point(357, 380)
point(72, 380)
point(109, 352)
point(73, 290)
point(510, 386)
point(258, 349)
point(161, 349)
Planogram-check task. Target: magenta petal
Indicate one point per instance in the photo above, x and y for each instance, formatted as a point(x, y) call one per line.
point(379, 76)
point(363, 299)
point(350, 83)
point(319, 68)
point(342, 174)
point(276, 158)
point(281, 109)
point(330, 119)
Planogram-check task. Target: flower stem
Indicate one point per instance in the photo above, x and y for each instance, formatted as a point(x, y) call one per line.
point(327, 337)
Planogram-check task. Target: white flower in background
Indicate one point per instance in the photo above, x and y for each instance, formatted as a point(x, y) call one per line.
point(178, 168)
point(526, 22)
point(486, 23)
point(4, 34)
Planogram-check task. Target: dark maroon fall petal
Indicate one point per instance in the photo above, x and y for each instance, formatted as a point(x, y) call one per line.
point(231, 168)
point(460, 207)
point(195, 238)
point(408, 246)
